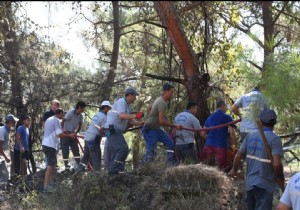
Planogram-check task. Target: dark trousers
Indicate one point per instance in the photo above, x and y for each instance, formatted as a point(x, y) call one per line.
point(186, 153)
point(92, 152)
point(118, 152)
point(67, 143)
point(259, 199)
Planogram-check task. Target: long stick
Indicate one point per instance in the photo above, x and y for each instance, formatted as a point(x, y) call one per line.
point(259, 125)
point(268, 149)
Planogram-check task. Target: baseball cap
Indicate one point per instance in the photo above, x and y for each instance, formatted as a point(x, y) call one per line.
point(167, 86)
point(268, 116)
point(131, 90)
point(106, 103)
point(10, 118)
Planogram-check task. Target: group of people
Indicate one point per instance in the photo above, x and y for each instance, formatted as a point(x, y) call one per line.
point(21, 146)
point(262, 172)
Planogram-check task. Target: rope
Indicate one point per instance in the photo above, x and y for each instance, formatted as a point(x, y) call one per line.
point(213, 127)
point(81, 136)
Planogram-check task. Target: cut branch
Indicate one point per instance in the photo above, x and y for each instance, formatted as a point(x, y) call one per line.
point(255, 65)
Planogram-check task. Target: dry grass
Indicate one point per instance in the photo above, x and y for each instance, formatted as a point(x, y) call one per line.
point(151, 186)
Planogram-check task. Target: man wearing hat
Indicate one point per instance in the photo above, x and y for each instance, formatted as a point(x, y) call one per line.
point(152, 131)
point(119, 118)
point(262, 174)
point(10, 122)
point(93, 136)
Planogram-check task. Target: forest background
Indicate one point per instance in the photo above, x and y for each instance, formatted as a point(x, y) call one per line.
point(199, 46)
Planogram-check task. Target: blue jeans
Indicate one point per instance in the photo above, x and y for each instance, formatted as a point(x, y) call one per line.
point(152, 136)
point(259, 199)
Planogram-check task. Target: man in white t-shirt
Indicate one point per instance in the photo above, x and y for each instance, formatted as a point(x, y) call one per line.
point(52, 134)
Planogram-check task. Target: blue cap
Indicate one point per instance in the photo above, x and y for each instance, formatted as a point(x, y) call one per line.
point(131, 90)
point(268, 116)
point(167, 86)
point(10, 118)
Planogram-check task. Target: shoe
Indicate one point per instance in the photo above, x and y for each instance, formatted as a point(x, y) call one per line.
point(48, 189)
point(67, 167)
point(80, 168)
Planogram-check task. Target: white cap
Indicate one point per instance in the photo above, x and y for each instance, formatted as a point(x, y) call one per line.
point(106, 103)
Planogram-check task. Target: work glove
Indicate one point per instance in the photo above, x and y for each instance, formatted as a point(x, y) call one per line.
point(139, 115)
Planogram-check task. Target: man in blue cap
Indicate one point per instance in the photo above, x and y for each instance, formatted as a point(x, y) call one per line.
point(119, 118)
point(262, 174)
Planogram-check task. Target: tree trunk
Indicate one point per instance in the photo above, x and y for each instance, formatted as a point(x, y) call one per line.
point(108, 84)
point(195, 82)
point(268, 24)
point(12, 57)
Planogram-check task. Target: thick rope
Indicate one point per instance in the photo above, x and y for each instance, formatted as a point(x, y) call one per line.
point(213, 127)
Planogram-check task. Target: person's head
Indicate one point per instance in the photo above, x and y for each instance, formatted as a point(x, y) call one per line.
point(105, 106)
point(80, 106)
point(222, 105)
point(131, 94)
point(192, 107)
point(59, 113)
point(168, 91)
point(10, 120)
point(26, 120)
point(54, 105)
point(268, 117)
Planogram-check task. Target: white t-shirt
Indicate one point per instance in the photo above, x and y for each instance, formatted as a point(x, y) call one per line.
point(98, 119)
point(51, 130)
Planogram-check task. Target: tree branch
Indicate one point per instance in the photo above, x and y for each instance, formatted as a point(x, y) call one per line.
point(246, 31)
point(164, 78)
point(280, 12)
point(255, 65)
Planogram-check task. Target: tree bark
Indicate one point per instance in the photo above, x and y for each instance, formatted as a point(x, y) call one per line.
point(12, 57)
point(195, 82)
point(268, 24)
point(109, 82)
